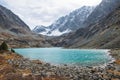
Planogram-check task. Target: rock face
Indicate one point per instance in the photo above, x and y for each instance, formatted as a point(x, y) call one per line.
point(67, 23)
point(11, 22)
point(101, 11)
point(102, 30)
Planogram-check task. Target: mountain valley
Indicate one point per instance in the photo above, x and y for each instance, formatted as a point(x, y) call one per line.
point(83, 45)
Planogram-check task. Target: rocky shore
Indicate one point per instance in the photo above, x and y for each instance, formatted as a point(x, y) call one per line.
point(25, 69)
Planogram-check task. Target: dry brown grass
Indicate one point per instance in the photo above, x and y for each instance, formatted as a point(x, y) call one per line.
point(114, 72)
point(115, 79)
point(117, 62)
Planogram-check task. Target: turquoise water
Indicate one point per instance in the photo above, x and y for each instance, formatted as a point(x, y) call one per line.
point(84, 57)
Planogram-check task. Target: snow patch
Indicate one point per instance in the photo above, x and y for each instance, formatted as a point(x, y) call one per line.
point(55, 32)
point(45, 32)
point(58, 33)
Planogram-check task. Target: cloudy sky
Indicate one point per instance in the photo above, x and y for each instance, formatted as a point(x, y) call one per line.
point(44, 12)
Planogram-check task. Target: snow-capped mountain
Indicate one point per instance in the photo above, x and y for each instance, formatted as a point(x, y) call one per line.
point(66, 24)
point(102, 29)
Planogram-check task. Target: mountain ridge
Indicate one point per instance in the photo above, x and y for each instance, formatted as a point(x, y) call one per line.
point(101, 34)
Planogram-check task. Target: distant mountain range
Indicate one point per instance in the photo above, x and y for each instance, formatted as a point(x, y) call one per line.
point(66, 24)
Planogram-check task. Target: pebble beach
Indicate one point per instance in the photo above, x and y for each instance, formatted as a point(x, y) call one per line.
point(37, 70)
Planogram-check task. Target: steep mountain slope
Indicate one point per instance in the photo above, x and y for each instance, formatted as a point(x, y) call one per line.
point(101, 11)
point(105, 34)
point(101, 34)
point(11, 22)
point(68, 23)
point(16, 33)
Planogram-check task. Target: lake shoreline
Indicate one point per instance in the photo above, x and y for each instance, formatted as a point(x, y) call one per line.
point(59, 56)
point(42, 71)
